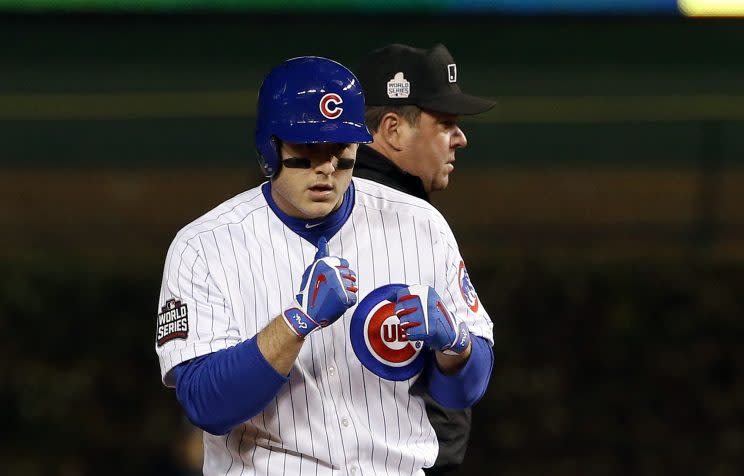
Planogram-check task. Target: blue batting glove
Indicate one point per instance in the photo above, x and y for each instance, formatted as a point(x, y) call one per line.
point(424, 317)
point(327, 290)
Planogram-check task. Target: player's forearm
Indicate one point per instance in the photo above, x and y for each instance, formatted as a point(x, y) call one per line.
point(449, 364)
point(279, 345)
point(467, 385)
point(227, 387)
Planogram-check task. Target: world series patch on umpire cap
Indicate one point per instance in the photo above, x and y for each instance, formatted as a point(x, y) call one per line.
point(401, 75)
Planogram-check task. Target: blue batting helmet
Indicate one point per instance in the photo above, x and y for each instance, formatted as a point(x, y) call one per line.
point(308, 100)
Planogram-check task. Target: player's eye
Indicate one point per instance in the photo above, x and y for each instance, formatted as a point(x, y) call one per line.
point(345, 163)
point(296, 163)
point(305, 163)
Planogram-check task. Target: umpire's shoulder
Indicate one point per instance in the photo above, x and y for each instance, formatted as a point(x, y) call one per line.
point(377, 196)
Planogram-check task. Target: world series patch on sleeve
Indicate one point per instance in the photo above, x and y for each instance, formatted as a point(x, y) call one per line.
point(173, 322)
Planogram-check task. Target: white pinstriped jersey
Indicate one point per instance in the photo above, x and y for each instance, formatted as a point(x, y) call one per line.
point(238, 266)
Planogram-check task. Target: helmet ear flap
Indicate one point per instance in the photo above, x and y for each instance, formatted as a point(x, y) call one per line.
point(268, 155)
point(276, 147)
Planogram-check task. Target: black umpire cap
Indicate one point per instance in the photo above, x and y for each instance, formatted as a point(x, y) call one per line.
point(399, 75)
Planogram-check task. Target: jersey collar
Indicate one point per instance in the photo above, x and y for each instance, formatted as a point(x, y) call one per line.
point(312, 230)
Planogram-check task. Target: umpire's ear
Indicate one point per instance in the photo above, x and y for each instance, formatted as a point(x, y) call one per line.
point(390, 133)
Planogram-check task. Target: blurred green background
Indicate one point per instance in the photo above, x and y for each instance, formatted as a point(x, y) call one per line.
point(599, 209)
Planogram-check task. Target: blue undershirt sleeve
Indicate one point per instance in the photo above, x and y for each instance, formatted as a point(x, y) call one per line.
point(464, 388)
point(223, 389)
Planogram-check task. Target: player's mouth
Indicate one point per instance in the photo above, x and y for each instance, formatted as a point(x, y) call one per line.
point(321, 191)
point(450, 165)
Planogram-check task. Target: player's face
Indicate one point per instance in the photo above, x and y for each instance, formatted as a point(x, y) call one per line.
point(313, 178)
point(429, 148)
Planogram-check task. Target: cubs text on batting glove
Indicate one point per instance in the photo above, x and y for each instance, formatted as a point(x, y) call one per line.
point(424, 317)
point(327, 290)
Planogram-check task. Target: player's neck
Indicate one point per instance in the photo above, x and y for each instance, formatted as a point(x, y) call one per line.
point(311, 229)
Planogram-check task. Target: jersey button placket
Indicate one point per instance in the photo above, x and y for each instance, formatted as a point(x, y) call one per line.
point(347, 432)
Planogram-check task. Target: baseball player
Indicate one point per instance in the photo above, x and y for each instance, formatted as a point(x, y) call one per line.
point(413, 103)
point(295, 317)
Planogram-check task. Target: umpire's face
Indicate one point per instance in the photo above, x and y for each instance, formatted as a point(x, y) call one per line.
point(313, 178)
point(428, 148)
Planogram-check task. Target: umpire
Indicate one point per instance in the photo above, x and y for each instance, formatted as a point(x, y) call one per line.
point(413, 101)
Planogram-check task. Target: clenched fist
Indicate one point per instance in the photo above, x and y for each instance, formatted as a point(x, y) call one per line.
point(327, 290)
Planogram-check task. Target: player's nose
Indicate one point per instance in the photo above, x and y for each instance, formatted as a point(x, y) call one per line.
point(325, 165)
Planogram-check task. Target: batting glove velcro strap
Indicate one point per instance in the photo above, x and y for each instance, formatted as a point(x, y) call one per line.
point(424, 317)
point(299, 322)
point(327, 290)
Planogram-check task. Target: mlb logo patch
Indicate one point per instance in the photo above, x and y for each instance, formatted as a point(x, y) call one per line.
point(379, 342)
point(173, 322)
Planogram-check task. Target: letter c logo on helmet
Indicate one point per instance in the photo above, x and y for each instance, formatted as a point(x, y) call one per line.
point(329, 105)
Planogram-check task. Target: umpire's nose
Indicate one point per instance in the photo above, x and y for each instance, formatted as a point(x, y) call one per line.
point(458, 139)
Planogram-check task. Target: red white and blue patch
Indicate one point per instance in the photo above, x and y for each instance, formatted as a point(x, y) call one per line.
point(467, 290)
point(379, 342)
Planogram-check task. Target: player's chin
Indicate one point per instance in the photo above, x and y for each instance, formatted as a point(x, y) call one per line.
point(318, 209)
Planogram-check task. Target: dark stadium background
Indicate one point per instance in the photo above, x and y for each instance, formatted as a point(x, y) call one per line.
point(599, 208)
